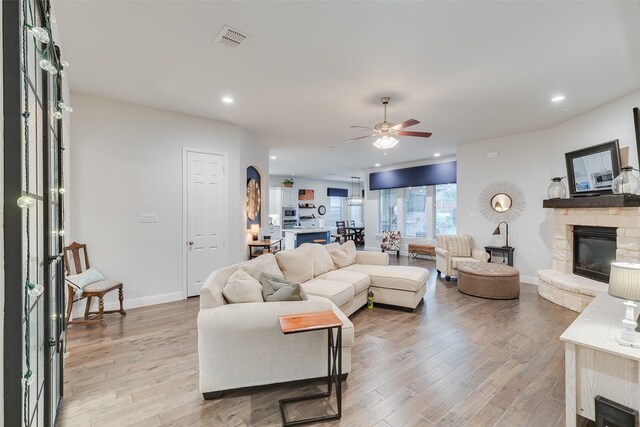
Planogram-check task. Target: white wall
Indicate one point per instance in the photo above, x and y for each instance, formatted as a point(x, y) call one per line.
point(127, 160)
point(530, 161)
point(319, 186)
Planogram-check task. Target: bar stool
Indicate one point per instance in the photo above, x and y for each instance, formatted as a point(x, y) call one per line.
point(321, 241)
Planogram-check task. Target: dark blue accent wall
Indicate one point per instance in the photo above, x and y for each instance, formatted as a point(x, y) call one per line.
point(337, 192)
point(252, 173)
point(438, 173)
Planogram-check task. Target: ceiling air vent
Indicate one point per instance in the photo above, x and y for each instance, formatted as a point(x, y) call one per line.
point(231, 38)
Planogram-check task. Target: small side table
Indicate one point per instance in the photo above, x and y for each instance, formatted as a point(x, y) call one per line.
point(269, 245)
point(505, 251)
point(299, 323)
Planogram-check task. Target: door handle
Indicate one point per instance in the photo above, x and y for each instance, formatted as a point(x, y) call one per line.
point(190, 242)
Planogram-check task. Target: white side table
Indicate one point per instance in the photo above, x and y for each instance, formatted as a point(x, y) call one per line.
point(595, 364)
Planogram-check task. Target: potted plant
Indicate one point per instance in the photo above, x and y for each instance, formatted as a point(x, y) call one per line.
point(288, 183)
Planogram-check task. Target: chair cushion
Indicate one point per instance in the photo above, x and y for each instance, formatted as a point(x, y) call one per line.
point(277, 288)
point(322, 261)
point(264, 263)
point(393, 276)
point(390, 240)
point(455, 260)
point(90, 275)
point(242, 287)
point(345, 255)
point(338, 292)
point(459, 246)
point(360, 281)
point(296, 265)
point(101, 286)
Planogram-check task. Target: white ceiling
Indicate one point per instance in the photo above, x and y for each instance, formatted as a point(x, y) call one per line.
point(466, 70)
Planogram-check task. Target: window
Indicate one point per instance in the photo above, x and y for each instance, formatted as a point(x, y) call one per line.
point(388, 213)
point(427, 210)
point(335, 211)
point(355, 214)
point(418, 211)
point(446, 208)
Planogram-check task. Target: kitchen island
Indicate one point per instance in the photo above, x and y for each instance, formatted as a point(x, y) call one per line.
point(297, 236)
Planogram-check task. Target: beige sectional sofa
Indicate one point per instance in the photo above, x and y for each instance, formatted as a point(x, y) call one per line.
point(241, 345)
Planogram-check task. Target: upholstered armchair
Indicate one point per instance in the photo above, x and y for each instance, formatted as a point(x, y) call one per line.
point(391, 242)
point(451, 250)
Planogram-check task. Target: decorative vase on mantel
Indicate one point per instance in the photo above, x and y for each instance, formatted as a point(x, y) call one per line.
point(557, 190)
point(625, 183)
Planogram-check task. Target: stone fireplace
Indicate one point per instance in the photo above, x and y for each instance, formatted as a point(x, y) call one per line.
point(560, 284)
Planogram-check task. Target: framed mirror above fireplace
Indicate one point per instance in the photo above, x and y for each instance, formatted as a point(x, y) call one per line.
point(591, 170)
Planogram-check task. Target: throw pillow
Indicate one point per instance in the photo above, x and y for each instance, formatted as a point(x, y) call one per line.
point(296, 265)
point(345, 255)
point(90, 275)
point(277, 288)
point(241, 287)
point(264, 263)
point(322, 262)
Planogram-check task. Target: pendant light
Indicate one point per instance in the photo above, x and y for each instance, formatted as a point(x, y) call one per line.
point(355, 199)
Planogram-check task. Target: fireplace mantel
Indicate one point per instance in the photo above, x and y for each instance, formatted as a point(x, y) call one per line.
point(603, 201)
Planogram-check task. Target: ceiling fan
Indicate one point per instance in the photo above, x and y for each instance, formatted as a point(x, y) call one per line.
point(386, 131)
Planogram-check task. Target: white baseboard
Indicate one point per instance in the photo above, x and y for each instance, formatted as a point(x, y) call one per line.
point(78, 307)
point(532, 280)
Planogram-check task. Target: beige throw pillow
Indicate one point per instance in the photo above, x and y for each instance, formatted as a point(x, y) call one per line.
point(265, 263)
point(345, 255)
point(296, 265)
point(322, 262)
point(241, 287)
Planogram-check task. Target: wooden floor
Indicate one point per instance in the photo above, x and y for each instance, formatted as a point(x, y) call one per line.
point(457, 360)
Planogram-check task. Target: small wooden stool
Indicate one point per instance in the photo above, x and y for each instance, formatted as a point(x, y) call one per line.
point(321, 241)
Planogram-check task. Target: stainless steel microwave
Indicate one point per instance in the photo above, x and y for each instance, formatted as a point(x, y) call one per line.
point(289, 212)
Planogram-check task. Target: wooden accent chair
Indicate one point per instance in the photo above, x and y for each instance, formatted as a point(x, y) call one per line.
point(97, 289)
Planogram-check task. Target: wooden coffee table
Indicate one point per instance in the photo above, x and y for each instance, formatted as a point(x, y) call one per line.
point(299, 323)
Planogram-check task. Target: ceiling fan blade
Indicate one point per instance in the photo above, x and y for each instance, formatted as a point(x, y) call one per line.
point(355, 139)
point(405, 124)
point(410, 133)
point(361, 127)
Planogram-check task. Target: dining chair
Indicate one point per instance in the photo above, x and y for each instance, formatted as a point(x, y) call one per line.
point(342, 233)
point(97, 289)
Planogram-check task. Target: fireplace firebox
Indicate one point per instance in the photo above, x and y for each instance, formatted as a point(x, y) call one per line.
point(594, 248)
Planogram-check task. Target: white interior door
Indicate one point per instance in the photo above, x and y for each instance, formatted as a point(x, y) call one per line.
point(205, 218)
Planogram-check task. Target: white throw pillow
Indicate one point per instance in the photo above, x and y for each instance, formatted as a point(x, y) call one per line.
point(265, 263)
point(87, 277)
point(297, 265)
point(241, 287)
point(345, 255)
point(322, 262)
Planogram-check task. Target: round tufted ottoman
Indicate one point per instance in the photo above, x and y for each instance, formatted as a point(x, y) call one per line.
point(488, 280)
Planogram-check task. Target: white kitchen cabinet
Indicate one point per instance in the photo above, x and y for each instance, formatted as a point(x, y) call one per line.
point(289, 197)
point(275, 201)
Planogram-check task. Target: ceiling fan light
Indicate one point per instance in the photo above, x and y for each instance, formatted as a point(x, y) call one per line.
point(385, 142)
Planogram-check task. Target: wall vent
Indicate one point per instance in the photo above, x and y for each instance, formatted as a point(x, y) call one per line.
point(231, 38)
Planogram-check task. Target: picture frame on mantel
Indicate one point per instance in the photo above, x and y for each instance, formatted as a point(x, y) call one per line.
point(591, 170)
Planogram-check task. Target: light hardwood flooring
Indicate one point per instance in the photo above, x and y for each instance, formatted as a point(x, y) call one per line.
point(457, 360)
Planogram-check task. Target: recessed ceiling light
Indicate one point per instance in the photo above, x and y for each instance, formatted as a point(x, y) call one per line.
point(227, 100)
point(558, 98)
point(436, 155)
point(273, 157)
point(377, 165)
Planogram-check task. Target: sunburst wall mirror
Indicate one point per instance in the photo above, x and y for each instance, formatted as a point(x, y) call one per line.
point(501, 201)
